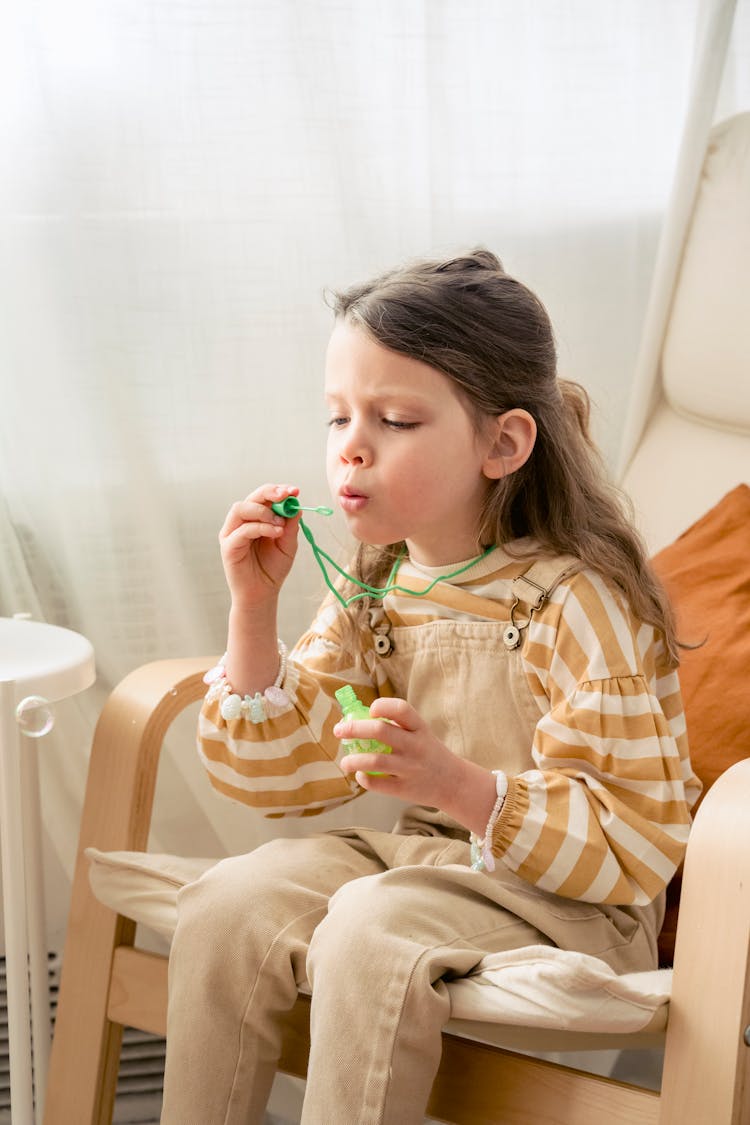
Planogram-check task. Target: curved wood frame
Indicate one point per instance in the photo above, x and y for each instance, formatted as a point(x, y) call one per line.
point(116, 816)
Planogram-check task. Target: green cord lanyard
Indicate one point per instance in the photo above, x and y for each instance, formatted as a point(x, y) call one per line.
point(391, 585)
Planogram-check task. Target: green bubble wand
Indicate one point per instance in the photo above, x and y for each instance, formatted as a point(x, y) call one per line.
point(291, 507)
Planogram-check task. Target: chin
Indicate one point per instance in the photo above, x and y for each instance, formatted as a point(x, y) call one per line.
point(374, 536)
point(376, 540)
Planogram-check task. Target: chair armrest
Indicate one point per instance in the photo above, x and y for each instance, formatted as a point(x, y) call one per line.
point(126, 747)
point(116, 816)
point(710, 1006)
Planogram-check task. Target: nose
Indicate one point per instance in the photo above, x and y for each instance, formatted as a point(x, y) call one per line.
point(354, 448)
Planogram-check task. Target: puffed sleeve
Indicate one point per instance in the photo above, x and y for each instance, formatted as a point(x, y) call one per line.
point(286, 764)
point(605, 815)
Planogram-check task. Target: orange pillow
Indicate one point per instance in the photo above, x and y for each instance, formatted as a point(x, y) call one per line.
point(706, 572)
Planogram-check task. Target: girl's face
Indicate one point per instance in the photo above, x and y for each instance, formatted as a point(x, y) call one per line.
point(404, 459)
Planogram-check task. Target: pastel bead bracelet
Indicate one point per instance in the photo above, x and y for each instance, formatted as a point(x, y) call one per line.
point(255, 708)
point(482, 858)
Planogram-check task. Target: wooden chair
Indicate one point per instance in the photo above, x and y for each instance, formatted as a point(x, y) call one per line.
point(107, 983)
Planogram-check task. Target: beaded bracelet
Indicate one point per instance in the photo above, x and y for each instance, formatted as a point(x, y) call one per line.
point(482, 858)
point(257, 708)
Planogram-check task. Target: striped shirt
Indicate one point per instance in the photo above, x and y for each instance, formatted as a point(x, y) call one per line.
point(585, 716)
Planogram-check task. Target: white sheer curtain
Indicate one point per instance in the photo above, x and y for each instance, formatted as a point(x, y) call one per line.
point(181, 181)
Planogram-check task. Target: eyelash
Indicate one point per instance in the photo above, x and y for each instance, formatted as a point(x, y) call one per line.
point(391, 422)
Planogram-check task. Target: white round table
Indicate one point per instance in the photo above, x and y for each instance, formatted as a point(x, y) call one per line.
point(35, 660)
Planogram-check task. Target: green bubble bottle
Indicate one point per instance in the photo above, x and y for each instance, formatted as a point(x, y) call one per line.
point(353, 708)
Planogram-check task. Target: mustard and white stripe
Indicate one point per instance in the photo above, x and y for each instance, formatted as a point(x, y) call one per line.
point(605, 816)
point(602, 811)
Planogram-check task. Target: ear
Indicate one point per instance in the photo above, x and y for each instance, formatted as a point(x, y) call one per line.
point(512, 437)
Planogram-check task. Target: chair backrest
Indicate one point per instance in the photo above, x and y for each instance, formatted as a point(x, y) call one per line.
point(695, 448)
point(696, 443)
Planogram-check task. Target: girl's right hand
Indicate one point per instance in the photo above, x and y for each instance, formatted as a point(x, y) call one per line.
point(257, 546)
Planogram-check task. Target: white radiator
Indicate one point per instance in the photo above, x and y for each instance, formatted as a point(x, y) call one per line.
point(139, 1083)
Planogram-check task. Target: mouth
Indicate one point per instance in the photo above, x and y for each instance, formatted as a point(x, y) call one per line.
point(352, 501)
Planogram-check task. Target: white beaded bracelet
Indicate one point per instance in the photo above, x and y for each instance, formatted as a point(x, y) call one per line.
point(482, 858)
point(257, 708)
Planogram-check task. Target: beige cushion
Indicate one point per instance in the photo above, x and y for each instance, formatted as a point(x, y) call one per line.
point(143, 886)
point(538, 987)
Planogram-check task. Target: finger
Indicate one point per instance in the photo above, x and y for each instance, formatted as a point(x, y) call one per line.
point(269, 493)
point(388, 785)
point(248, 511)
point(238, 541)
point(397, 711)
point(371, 729)
point(257, 505)
point(287, 540)
point(369, 763)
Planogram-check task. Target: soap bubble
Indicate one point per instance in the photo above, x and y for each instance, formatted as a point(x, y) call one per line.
point(34, 716)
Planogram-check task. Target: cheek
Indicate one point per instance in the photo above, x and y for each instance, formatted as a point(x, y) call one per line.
point(443, 480)
point(331, 461)
point(413, 491)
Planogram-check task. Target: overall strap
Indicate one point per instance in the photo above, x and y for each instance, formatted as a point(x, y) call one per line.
point(531, 589)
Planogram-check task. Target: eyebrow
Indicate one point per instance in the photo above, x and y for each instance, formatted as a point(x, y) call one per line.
point(402, 395)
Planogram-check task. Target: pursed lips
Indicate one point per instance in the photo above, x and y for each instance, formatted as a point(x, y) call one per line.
point(351, 499)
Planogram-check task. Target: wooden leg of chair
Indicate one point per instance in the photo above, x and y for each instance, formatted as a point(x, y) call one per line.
point(85, 1056)
point(707, 1063)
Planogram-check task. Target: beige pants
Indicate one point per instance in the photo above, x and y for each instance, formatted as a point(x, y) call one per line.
point(377, 923)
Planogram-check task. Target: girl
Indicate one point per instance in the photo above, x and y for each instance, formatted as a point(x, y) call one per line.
point(520, 661)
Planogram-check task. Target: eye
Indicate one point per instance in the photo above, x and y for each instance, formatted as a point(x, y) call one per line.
point(336, 423)
point(396, 424)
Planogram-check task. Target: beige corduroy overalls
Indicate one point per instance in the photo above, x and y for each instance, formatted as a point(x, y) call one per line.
point(374, 921)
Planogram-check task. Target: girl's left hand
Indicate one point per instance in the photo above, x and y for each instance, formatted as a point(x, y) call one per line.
point(420, 769)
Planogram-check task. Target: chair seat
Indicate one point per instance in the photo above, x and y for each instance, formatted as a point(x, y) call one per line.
point(534, 999)
point(137, 973)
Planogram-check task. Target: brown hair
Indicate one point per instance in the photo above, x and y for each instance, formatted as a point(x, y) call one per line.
point(492, 336)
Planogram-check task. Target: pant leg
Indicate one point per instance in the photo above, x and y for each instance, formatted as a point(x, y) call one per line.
point(377, 964)
point(237, 958)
